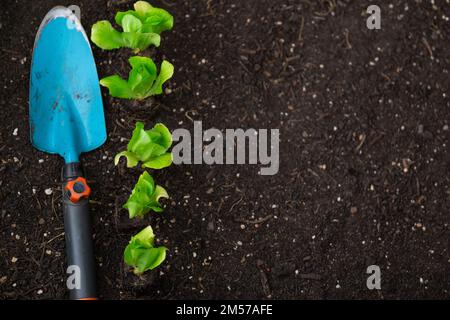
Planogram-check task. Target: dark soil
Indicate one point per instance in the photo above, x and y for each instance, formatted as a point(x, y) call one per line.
point(364, 175)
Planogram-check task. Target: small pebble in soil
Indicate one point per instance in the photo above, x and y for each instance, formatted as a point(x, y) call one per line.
point(40, 291)
point(41, 161)
point(48, 191)
point(14, 259)
point(16, 131)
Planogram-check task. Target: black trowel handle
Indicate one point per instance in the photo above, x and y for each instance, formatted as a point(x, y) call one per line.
point(77, 225)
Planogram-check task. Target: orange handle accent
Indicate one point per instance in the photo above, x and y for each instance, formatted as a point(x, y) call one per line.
point(78, 189)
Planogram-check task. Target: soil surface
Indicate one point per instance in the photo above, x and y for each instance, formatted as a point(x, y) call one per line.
point(364, 159)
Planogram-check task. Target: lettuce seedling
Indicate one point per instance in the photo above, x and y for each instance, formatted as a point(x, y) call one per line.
point(141, 255)
point(153, 20)
point(145, 197)
point(141, 28)
point(149, 147)
point(142, 82)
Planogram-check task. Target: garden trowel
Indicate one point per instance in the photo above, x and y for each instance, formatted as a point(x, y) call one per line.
point(66, 118)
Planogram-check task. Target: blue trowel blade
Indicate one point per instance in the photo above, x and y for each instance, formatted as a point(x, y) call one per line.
point(66, 109)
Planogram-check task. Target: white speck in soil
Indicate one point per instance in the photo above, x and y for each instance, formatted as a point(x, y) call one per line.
point(16, 131)
point(48, 191)
point(14, 259)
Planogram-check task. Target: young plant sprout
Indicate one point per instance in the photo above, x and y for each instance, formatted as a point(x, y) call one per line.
point(141, 255)
point(141, 28)
point(143, 80)
point(149, 147)
point(153, 20)
point(145, 197)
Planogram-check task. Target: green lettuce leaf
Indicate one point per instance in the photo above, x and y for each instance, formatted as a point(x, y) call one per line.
point(145, 197)
point(141, 255)
point(149, 147)
point(143, 79)
point(154, 20)
point(106, 37)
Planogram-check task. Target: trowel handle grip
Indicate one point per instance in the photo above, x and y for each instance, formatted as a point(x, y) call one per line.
point(77, 225)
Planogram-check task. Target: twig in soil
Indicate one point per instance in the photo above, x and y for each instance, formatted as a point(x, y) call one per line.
point(313, 173)
point(427, 45)
point(347, 41)
point(256, 221)
point(120, 125)
point(53, 208)
point(300, 32)
point(235, 204)
point(10, 51)
point(361, 143)
point(264, 280)
point(244, 67)
point(193, 112)
point(167, 3)
point(386, 76)
point(331, 7)
point(220, 205)
point(37, 199)
point(44, 244)
point(380, 135)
